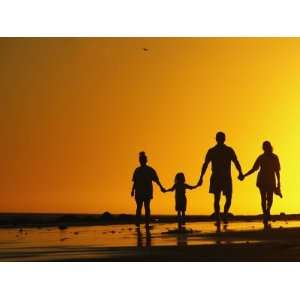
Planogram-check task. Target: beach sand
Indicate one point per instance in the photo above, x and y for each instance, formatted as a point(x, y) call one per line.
point(238, 241)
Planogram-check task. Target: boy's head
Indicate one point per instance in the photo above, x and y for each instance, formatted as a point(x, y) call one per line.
point(143, 158)
point(180, 178)
point(220, 138)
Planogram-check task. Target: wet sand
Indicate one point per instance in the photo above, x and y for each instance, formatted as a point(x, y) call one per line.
point(239, 241)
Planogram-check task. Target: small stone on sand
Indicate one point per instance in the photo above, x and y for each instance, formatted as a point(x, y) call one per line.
point(62, 227)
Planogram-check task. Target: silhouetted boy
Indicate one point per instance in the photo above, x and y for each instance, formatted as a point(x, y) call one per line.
point(142, 188)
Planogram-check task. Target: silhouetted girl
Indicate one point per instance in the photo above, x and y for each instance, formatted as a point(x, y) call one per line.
point(180, 198)
point(269, 168)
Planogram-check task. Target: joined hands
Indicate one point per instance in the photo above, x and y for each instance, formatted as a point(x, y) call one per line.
point(241, 177)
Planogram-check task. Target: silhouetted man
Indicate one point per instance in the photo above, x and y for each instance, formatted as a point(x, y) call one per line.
point(221, 157)
point(142, 188)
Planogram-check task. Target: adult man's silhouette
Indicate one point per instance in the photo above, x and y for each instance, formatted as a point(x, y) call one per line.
point(142, 188)
point(221, 157)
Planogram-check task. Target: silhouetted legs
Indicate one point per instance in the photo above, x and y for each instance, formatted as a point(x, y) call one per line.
point(226, 206)
point(147, 212)
point(139, 206)
point(217, 206)
point(266, 204)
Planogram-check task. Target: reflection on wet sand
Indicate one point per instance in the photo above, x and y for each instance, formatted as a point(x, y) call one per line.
point(182, 239)
point(140, 237)
point(113, 240)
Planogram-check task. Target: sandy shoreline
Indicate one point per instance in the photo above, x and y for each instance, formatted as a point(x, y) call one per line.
point(255, 245)
point(27, 220)
point(239, 241)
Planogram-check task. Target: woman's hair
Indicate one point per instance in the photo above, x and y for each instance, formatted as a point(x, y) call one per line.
point(267, 147)
point(179, 178)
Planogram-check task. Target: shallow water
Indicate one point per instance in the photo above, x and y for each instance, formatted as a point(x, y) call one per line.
point(88, 241)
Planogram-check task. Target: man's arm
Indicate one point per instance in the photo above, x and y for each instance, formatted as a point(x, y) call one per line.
point(159, 184)
point(170, 189)
point(237, 165)
point(204, 168)
point(277, 171)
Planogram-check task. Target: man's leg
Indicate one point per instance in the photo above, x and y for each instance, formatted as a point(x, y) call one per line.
point(217, 206)
point(147, 211)
point(139, 205)
point(227, 206)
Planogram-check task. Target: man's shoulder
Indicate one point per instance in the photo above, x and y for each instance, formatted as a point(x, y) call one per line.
point(228, 148)
point(222, 148)
point(212, 149)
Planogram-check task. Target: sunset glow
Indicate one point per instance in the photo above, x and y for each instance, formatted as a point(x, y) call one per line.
point(76, 112)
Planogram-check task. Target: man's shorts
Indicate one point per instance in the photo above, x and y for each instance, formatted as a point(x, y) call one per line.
point(220, 184)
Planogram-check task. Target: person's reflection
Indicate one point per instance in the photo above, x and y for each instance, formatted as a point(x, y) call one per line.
point(139, 237)
point(148, 237)
point(218, 227)
point(181, 236)
point(182, 239)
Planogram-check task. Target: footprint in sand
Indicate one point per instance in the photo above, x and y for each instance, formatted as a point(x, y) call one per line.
point(64, 239)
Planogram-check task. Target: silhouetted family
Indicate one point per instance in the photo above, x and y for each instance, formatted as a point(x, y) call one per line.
point(220, 157)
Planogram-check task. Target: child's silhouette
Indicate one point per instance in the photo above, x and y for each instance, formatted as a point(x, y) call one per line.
point(180, 198)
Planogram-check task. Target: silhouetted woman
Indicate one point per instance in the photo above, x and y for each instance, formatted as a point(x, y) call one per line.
point(269, 168)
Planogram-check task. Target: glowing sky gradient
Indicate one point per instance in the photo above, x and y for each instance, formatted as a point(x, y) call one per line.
point(76, 112)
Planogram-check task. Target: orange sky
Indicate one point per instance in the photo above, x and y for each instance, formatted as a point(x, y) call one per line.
point(76, 112)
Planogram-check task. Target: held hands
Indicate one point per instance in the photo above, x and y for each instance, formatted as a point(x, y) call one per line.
point(163, 189)
point(241, 177)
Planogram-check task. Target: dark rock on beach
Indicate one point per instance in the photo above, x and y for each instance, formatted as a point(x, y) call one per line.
point(107, 217)
point(62, 226)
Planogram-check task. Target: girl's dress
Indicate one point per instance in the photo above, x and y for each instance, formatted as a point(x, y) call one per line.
point(180, 198)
